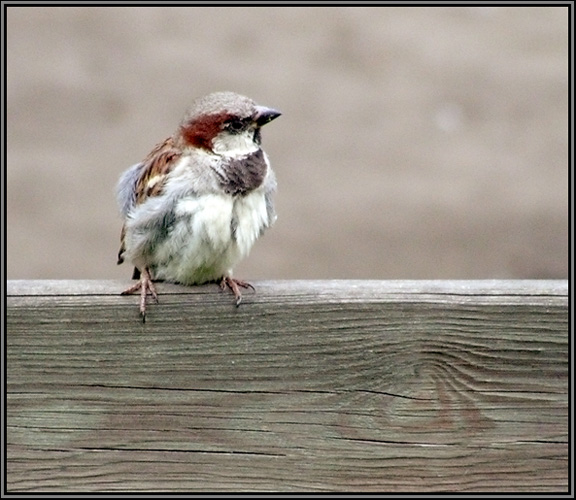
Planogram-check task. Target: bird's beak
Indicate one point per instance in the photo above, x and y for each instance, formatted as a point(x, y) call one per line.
point(265, 115)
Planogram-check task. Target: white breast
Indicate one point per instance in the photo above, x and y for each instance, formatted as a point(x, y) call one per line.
point(211, 234)
point(194, 232)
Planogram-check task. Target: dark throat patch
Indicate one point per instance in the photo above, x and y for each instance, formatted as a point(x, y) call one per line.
point(240, 176)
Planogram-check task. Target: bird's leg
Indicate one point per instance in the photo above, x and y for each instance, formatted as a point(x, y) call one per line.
point(234, 285)
point(145, 286)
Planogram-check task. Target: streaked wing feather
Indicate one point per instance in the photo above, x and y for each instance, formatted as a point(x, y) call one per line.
point(144, 180)
point(158, 165)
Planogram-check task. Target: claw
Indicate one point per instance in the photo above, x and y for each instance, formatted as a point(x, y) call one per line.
point(234, 285)
point(146, 287)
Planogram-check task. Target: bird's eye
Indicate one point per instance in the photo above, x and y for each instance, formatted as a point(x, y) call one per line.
point(235, 126)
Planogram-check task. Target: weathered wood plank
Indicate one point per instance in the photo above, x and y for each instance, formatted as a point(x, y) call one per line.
point(308, 386)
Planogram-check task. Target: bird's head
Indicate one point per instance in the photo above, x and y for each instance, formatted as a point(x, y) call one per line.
point(225, 123)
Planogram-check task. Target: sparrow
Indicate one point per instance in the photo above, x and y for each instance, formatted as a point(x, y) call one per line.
point(196, 204)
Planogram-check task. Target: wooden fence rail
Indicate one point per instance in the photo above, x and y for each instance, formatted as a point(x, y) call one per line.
point(316, 386)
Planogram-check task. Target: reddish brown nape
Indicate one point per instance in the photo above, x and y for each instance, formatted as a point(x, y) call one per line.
point(200, 132)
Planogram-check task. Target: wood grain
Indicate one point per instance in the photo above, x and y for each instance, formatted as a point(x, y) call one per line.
point(328, 386)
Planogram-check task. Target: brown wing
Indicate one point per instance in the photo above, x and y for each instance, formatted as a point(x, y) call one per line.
point(152, 175)
point(158, 165)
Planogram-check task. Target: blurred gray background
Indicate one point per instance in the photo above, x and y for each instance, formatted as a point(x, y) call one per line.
point(414, 143)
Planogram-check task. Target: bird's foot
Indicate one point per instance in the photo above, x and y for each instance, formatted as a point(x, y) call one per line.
point(234, 285)
point(146, 287)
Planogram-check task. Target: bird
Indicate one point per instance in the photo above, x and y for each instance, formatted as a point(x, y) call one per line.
point(196, 204)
